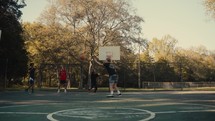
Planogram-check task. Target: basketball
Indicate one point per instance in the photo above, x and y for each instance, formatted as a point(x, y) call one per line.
point(82, 57)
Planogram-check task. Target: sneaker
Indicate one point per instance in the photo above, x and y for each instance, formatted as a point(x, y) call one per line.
point(110, 95)
point(119, 94)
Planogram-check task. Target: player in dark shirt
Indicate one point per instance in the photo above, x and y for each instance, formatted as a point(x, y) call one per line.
point(113, 76)
point(94, 77)
point(31, 78)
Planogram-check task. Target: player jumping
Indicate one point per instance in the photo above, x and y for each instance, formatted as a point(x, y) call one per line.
point(113, 76)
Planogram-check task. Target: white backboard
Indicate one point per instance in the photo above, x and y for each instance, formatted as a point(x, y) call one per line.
point(109, 51)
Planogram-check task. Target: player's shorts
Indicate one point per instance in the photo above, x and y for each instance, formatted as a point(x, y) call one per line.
point(62, 81)
point(31, 81)
point(113, 79)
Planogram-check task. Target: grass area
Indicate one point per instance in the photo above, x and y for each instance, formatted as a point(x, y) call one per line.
point(201, 89)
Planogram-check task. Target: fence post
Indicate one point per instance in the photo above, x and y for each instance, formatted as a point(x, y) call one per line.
point(181, 80)
point(154, 77)
point(5, 77)
point(81, 77)
point(139, 76)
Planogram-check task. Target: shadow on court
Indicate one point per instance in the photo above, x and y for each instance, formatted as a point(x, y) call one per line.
point(131, 106)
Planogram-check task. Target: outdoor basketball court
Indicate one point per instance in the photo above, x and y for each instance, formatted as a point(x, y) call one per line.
point(131, 106)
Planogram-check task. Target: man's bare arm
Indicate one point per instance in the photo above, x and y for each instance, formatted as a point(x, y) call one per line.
point(96, 60)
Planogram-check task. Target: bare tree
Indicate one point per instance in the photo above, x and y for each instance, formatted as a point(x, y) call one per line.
point(163, 48)
point(95, 23)
point(210, 7)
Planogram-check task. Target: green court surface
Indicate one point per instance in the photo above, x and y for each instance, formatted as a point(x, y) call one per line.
point(85, 106)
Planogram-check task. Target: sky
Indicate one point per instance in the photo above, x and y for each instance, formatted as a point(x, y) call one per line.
point(184, 20)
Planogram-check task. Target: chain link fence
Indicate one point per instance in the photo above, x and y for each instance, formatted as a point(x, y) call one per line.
point(132, 75)
point(3, 73)
point(164, 75)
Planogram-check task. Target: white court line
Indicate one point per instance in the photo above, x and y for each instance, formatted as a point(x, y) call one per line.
point(197, 111)
point(14, 106)
point(152, 114)
point(50, 116)
point(149, 118)
point(25, 113)
point(162, 112)
point(21, 113)
point(188, 111)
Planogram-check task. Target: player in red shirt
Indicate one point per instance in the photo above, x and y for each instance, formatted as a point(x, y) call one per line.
point(62, 78)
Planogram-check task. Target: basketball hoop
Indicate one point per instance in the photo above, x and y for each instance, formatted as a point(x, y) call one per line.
point(111, 52)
